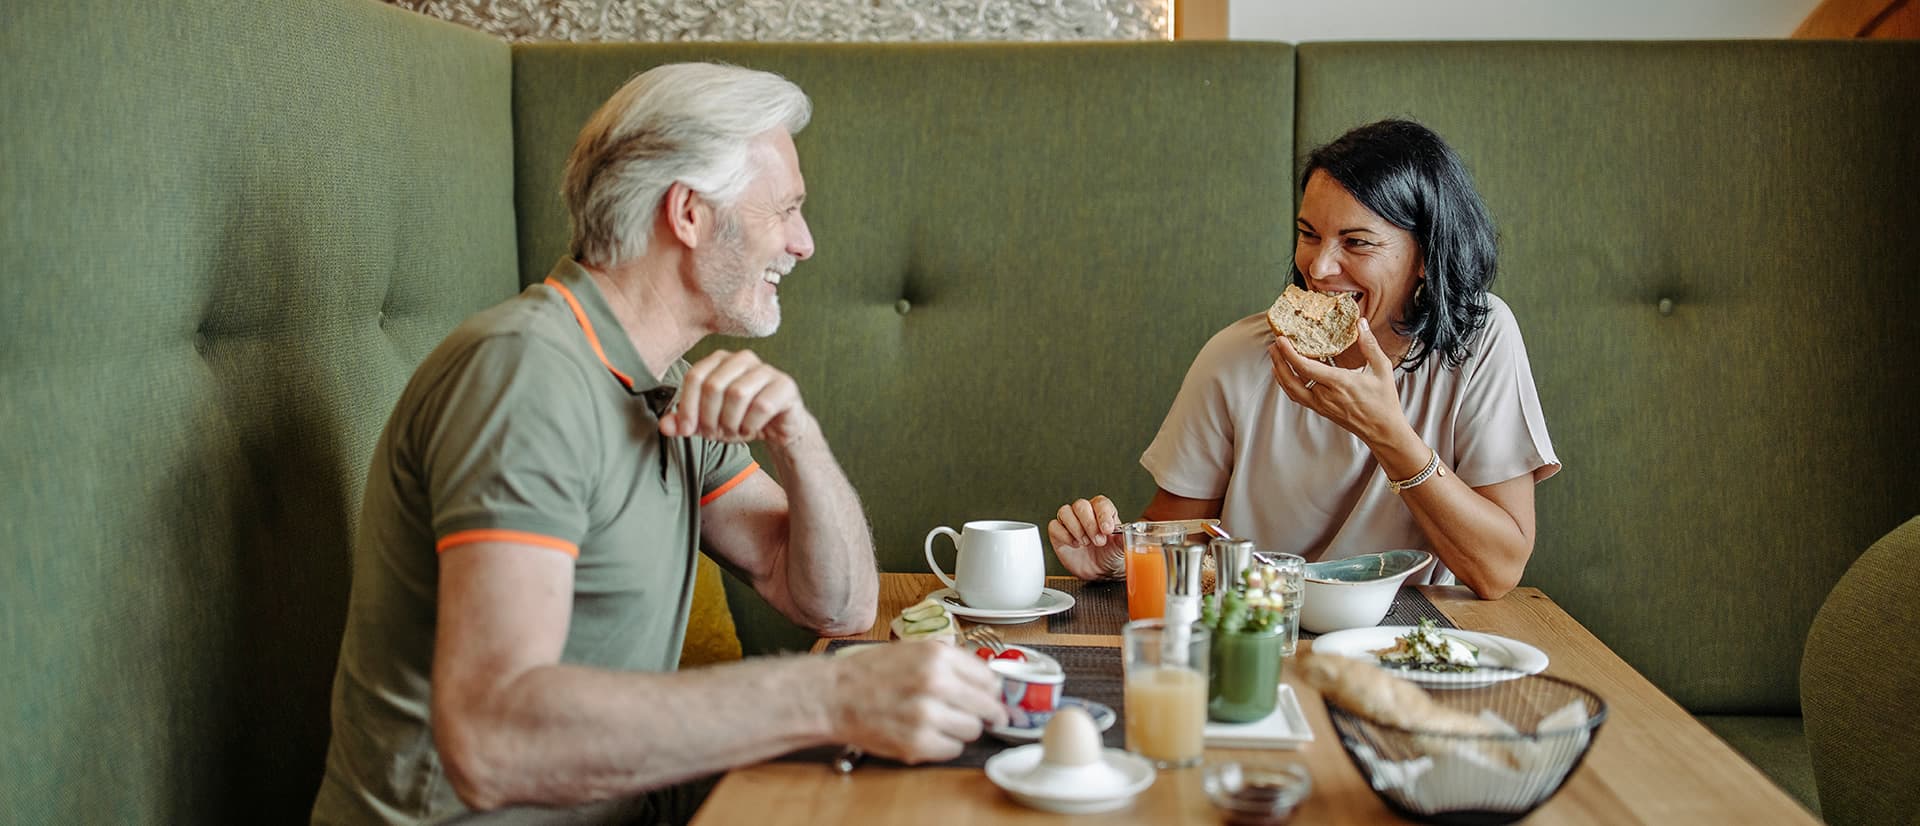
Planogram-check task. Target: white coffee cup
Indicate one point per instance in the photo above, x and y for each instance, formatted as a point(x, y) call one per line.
point(1000, 567)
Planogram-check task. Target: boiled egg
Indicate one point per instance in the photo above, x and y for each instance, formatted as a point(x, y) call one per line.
point(1070, 739)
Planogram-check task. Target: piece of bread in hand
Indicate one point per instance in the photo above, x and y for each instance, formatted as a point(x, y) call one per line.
point(1321, 325)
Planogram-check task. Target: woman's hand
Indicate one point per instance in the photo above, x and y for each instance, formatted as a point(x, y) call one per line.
point(1084, 539)
point(1362, 400)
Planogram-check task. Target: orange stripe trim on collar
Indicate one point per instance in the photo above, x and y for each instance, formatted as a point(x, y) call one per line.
point(730, 485)
point(458, 538)
point(580, 315)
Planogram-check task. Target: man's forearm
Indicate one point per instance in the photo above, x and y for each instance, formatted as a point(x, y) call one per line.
point(827, 565)
point(564, 735)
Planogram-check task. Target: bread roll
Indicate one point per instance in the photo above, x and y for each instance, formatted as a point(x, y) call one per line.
point(1321, 325)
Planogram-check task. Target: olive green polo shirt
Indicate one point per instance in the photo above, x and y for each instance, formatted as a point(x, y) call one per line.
point(534, 422)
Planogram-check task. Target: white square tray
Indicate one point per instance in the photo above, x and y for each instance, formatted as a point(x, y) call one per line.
point(1285, 728)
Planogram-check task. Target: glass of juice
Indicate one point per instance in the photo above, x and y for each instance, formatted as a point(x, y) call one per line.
point(1166, 691)
point(1147, 567)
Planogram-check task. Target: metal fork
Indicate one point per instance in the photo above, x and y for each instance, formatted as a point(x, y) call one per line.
point(985, 637)
point(981, 635)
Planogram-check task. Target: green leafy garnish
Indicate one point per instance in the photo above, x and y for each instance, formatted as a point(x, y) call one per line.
point(1426, 649)
point(1252, 606)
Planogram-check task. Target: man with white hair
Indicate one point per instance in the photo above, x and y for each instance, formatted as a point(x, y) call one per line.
point(525, 557)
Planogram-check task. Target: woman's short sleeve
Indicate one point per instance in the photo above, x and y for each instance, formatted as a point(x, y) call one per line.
point(1192, 455)
point(1501, 432)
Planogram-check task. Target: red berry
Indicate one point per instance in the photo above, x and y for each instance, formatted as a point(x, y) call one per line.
point(983, 653)
point(1014, 654)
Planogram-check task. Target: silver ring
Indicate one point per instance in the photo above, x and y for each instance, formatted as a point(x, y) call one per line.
point(1310, 384)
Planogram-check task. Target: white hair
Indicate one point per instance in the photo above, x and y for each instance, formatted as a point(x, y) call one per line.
point(686, 122)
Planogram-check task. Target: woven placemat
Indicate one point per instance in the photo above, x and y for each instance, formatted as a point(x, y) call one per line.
point(1093, 673)
point(1101, 608)
point(1098, 607)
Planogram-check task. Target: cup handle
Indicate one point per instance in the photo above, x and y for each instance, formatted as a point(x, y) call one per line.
point(935, 565)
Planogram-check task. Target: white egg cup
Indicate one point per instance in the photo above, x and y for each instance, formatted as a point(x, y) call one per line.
point(1106, 784)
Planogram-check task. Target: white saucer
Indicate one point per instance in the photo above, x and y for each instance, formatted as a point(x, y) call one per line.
point(1051, 602)
point(1010, 770)
point(1103, 719)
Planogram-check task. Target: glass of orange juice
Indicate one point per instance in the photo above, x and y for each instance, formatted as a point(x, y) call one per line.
point(1147, 567)
point(1166, 691)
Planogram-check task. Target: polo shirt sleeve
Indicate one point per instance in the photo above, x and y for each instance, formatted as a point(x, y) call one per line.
point(722, 467)
point(508, 451)
point(1500, 432)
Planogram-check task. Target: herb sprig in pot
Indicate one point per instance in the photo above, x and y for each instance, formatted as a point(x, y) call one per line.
point(1248, 646)
point(1251, 607)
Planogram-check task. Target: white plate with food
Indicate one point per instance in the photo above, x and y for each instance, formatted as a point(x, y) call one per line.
point(1051, 602)
point(1494, 658)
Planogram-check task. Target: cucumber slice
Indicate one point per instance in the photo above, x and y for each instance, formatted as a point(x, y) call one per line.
point(924, 610)
point(930, 625)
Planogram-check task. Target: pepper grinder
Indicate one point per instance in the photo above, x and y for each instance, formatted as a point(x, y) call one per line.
point(1230, 557)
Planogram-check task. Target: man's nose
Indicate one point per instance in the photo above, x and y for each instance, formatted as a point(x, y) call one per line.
point(800, 243)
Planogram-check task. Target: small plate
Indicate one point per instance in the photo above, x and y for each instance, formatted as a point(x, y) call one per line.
point(1010, 771)
point(1501, 658)
point(1103, 719)
point(1051, 602)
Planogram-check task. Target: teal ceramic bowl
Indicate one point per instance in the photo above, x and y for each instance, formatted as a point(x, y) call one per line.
point(1356, 592)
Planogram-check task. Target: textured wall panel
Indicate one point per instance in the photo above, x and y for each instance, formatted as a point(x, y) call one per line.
point(583, 21)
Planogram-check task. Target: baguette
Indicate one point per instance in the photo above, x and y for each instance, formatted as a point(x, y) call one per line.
point(1372, 693)
point(1364, 689)
point(1320, 325)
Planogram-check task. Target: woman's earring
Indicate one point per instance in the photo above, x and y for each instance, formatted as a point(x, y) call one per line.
point(1419, 289)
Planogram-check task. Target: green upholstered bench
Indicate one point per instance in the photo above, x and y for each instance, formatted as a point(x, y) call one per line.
point(230, 230)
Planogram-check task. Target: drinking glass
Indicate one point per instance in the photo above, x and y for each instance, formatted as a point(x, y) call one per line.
point(1147, 568)
point(1166, 691)
point(1292, 584)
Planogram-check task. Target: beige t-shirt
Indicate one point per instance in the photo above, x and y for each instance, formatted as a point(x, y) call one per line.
point(1294, 481)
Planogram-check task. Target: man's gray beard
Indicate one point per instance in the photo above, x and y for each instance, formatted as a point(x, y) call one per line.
point(732, 279)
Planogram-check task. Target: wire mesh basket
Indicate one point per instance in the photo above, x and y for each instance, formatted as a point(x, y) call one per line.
point(1540, 730)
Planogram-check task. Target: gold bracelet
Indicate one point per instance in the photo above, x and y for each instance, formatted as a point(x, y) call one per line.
point(1432, 469)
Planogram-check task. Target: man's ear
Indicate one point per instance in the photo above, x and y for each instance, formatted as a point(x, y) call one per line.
point(686, 213)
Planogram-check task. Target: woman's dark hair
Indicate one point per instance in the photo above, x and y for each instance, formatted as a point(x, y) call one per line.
point(1407, 175)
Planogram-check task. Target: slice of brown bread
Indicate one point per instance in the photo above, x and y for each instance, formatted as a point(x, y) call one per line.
point(1321, 325)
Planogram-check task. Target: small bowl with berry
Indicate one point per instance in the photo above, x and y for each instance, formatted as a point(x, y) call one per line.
point(1033, 687)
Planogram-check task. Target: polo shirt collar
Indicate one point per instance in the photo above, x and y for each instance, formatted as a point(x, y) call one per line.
point(603, 331)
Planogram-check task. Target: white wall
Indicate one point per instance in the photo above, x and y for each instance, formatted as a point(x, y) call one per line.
point(1302, 20)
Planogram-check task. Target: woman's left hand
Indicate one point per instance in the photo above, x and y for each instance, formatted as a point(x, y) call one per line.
point(1361, 400)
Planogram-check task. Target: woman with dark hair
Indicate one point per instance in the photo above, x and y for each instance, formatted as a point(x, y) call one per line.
point(1426, 433)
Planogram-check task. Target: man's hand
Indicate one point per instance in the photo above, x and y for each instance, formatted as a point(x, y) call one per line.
point(736, 397)
point(915, 702)
point(1084, 540)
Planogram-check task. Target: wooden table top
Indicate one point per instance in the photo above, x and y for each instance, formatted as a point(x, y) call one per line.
point(1651, 763)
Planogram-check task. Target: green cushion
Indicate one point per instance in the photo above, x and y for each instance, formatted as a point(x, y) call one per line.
point(1775, 745)
point(1067, 224)
point(1724, 462)
point(228, 232)
point(1860, 687)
